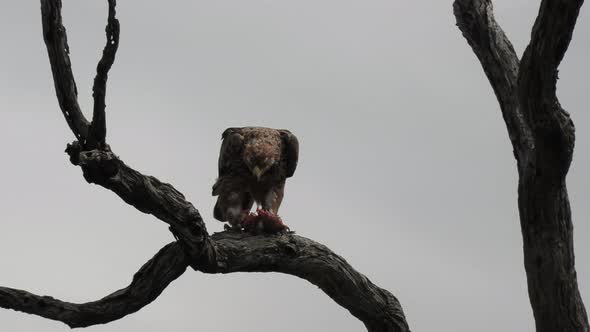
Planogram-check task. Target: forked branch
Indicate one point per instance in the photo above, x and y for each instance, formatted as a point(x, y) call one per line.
point(224, 252)
point(475, 19)
point(90, 135)
point(550, 124)
point(56, 40)
point(148, 283)
point(542, 135)
point(98, 129)
point(148, 195)
point(377, 308)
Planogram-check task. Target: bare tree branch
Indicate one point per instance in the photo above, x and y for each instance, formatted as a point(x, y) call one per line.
point(552, 127)
point(148, 195)
point(58, 51)
point(543, 199)
point(475, 19)
point(377, 308)
point(98, 128)
point(222, 253)
point(148, 283)
point(240, 252)
point(544, 152)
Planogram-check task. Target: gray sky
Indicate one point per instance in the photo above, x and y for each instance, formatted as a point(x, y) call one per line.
point(406, 169)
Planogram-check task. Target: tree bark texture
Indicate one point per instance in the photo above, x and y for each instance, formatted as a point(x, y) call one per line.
point(224, 252)
point(542, 135)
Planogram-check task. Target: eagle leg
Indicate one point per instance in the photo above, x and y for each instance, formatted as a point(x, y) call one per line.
point(233, 208)
point(272, 200)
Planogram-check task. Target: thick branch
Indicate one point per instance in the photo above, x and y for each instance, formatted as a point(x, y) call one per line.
point(98, 128)
point(148, 195)
point(545, 156)
point(148, 283)
point(377, 308)
point(231, 252)
point(551, 125)
point(55, 38)
point(475, 19)
point(543, 200)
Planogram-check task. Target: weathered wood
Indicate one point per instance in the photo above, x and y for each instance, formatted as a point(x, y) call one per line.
point(148, 283)
point(148, 195)
point(543, 202)
point(98, 128)
point(475, 19)
point(240, 252)
point(543, 136)
point(377, 308)
point(225, 252)
point(56, 40)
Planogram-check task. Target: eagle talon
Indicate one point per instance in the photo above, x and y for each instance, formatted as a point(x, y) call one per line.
point(232, 228)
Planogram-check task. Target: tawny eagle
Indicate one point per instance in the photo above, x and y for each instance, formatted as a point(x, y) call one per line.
point(254, 163)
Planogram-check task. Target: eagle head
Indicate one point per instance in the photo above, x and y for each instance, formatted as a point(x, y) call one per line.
point(260, 158)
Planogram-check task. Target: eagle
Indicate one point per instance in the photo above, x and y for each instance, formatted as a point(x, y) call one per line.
point(254, 163)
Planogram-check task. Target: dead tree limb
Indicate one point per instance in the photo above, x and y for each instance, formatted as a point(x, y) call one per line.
point(148, 283)
point(542, 135)
point(224, 252)
point(98, 129)
point(377, 308)
point(56, 40)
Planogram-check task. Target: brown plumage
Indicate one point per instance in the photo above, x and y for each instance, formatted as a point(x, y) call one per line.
point(254, 163)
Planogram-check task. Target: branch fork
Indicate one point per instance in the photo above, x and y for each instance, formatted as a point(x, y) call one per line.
point(225, 252)
point(543, 136)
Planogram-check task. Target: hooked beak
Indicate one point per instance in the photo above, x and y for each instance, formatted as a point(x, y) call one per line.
point(257, 172)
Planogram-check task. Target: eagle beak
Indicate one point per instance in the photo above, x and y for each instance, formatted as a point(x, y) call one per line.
point(257, 172)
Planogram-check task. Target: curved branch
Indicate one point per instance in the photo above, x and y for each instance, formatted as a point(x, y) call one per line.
point(148, 283)
point(551, 125)
point(102, 167)
point(222, 253)
point(377, 308)
point(98, 127)
point(475, 19)
point(54, 35)
point(229, 252)
point(544, 155)
point(543, 201)
point(148, 195)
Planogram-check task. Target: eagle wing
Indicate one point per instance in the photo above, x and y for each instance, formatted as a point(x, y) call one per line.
point(231, 149)
point(229, 157)
point(290, 151)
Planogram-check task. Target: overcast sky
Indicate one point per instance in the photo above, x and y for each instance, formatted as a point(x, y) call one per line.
point(405, 168)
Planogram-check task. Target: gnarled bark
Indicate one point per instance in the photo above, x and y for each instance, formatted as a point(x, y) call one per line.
point(377, 308)
point(221, 253)
point(542, 135)
point(148, 283)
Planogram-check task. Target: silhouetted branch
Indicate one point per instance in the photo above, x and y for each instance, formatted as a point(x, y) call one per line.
point(377, 308)
point(542, 134)
point(551, 125)
point(148, 195)
point(58, 51)
point(222, 253)
point(148, 283)
point(98, 128)
point(475, 19)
